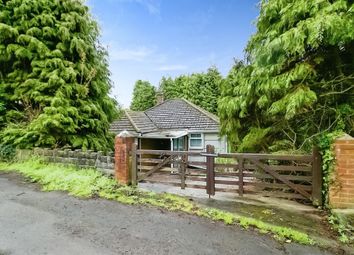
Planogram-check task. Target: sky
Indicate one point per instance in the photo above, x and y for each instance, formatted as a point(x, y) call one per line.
point(148, 39)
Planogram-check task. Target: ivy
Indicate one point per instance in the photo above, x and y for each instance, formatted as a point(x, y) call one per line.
point(342, 225)
point(326, 146)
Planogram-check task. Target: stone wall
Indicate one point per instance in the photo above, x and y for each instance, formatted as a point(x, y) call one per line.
point(104, 162)
point(341, 193)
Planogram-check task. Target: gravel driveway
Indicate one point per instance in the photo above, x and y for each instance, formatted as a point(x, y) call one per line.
point(35, 222)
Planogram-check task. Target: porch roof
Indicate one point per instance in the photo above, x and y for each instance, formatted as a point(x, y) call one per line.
point(165, 134)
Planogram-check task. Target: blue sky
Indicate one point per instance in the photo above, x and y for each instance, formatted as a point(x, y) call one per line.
point(148, 39)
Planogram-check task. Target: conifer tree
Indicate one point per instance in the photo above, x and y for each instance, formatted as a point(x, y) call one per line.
point(144, 96)
point(202, 89)
point(210, 90)
point(168, 88)
point(298, 81)
point(54, 76)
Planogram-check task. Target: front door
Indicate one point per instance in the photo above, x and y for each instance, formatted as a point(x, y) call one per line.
point(179, 144)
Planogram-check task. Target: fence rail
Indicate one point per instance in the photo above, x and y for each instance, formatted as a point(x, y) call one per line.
point(287, 176)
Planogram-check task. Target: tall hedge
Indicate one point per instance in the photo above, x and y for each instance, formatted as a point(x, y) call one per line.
point(54, 76)
point(297, 82)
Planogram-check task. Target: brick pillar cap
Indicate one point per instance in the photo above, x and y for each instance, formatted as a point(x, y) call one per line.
point(125, 133)
point(345, 137)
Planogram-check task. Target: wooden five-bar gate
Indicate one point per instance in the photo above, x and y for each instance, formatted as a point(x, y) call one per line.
point(283, 176)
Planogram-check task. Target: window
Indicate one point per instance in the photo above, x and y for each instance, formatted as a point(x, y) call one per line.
point(196, 141)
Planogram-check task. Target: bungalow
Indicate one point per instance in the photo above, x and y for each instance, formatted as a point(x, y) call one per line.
point(174, 124)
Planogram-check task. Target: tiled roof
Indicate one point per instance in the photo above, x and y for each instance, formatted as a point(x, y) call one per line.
point(122, 124)
point(181, 114)
point(141, 121)
point(174, 114)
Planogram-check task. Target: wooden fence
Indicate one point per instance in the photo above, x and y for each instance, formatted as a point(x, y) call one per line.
point(285, 176)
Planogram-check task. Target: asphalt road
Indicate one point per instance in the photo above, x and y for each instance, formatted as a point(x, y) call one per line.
point(35, 222)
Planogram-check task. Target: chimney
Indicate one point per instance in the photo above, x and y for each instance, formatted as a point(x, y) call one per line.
point(160, 98)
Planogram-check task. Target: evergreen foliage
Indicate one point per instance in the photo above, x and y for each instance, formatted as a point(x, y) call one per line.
point(298, 80)
point(54, 78)
point(168, 88)
point(202, 89)
point(144, 96)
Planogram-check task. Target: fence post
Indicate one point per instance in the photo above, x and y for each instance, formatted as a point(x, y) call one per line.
point(134, 165)
point(210, 159)
point(316, 177)
point(183, 164)
point(240, 176)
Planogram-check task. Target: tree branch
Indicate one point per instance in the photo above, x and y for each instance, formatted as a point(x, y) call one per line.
point(337, 92)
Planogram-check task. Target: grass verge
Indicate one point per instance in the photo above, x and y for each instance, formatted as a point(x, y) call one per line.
point(86, 183)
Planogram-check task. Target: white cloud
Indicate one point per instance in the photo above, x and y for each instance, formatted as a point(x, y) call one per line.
point(172, 68)
point(134, 54)
point(153, 6)
point(147, 54)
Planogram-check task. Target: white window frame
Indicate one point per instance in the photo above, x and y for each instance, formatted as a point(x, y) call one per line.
point(194, 138)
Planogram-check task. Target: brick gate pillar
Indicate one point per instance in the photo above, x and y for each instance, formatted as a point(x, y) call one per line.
point(122, 149)
point(341, 191)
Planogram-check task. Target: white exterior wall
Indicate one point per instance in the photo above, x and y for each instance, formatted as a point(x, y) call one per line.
point(220, 144)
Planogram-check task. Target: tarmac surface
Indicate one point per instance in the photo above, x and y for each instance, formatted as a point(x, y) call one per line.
point(35, 222)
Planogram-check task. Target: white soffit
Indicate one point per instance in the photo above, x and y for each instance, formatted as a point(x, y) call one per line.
point(165, 134)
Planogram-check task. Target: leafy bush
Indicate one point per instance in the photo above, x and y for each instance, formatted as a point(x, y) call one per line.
point(7, 152)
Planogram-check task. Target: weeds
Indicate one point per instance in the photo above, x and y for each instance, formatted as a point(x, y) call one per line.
point(342, 226)
point(87, 183)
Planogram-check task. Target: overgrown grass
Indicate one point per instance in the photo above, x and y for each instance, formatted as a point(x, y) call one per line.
point(86, 183)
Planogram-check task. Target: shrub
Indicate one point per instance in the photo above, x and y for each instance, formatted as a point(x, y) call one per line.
point(7, 152)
